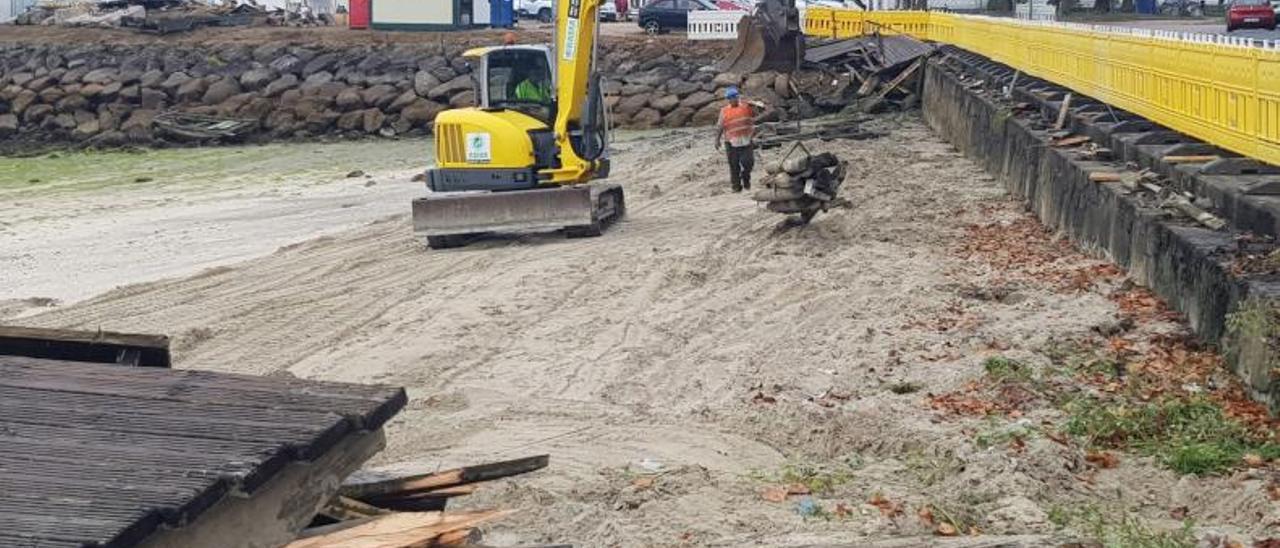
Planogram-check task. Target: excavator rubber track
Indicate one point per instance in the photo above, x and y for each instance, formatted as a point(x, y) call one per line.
point(453, 219)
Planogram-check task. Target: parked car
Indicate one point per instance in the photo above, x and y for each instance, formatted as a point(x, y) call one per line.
point(1275, 6)
point(608, 11)
point(541, 9)
point(1250, 13)
point(664, 15)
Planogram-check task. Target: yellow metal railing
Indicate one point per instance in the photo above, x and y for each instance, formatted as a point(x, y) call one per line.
point(1218, 90)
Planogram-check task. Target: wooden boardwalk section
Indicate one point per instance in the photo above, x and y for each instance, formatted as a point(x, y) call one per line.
point(106, 455)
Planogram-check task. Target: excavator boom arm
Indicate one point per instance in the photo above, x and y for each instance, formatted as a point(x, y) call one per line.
point(577, 28)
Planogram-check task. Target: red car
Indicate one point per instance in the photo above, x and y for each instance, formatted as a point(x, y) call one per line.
point(1250, 13)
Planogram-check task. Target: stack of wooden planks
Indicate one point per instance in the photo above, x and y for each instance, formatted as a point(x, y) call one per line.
point(376, 510)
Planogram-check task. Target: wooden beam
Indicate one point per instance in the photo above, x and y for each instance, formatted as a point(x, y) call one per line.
point(85, 346)
point(398, 530)
point(448, 478)
point(1063, 110)
point(893, 84)
point(1191, 159)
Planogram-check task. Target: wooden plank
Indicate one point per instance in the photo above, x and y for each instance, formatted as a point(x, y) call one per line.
point(398, 530)
point(369, 407)
point(1105, 177)
point(1071, 140)
point(893, 84)
point(1063, 110)
point(85, 346)
point(1191, 159)
point(361, 488)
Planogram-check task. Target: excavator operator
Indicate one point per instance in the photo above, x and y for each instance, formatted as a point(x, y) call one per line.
point(532, 87)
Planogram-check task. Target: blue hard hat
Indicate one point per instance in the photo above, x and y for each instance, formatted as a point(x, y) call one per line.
point(731, 92)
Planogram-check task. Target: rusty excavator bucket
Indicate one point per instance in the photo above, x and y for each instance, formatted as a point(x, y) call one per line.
point(770, 38)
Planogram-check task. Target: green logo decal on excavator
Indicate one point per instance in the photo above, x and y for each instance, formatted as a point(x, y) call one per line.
point(478, 148)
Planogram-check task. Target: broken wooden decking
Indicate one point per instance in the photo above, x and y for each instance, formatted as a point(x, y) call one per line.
point(107, 455)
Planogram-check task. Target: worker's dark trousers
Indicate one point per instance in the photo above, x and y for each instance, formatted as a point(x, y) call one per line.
point(741, 160)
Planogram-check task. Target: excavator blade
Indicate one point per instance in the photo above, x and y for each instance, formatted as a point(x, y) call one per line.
point(583, 208)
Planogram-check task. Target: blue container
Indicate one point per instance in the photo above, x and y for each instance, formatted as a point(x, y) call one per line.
point(1145, 6)
point(504, 15)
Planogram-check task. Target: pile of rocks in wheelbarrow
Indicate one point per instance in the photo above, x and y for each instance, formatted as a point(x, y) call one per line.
point(802, 184)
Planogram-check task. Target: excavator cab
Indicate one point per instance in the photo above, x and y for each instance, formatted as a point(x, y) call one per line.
point(518, 78)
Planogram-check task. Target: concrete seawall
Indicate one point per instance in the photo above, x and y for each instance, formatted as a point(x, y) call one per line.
point(1199, 271)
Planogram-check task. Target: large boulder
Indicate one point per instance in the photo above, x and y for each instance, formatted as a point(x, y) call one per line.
point(629, 106)
point(350, 120)
point(8, 125)
point(464, 99)
point(349, 99)
point(327, 90)
point(373, 120)
point(21, 78)
point(51, 95)
point(726, 79)
point(266, 52)
point(108, 120)
point(39, 84)
point(72, 103)
point(110, 91)
point(380, 96)
point(782, 85)
point(286, 64)
point(681, 87)
point(664, 103)
point(706, 115)
point(138, 125)
point(191, 90)
point(100, 76)
point(85, 130)
point(678, 117)
point(697, 99)
point(257, 78)
point(317, 78)
point(402, 100)
point(321, 63)
point(424, 82)
point(152, 99)
point(90, 91)
point(37, 114)
point(758, 81)
point(319, 122)
point(281, 85)
point(221, 91)
point(257, 108)
point(653, 77)
point(443, 73)
point(64, 122)
point(646, 118)
point(151, 78)
point(280, 121)
point(421, 113)
point(634, 89)
point(24, 99)
point(450, 88)
point(174, 81)
point(231, 106)
point(72, 76)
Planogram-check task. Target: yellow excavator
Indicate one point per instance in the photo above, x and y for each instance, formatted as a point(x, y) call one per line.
point(528, 157)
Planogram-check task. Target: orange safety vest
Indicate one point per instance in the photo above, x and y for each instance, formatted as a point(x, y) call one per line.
point(737, 123)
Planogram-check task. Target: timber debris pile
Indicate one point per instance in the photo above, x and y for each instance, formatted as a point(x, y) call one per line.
point(868, 74)
point(375, 509)
point(802, 184)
